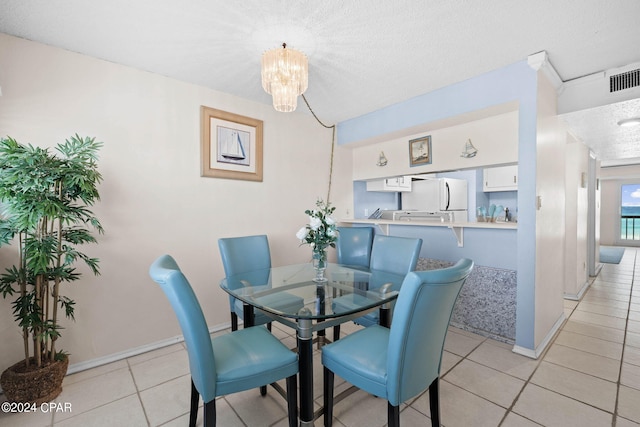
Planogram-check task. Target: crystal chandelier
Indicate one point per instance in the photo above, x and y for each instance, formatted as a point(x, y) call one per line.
point(285, 76)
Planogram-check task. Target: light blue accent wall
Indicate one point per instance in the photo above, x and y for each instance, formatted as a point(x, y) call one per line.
point(372, 200)
point(485, 246)
point(516, 82)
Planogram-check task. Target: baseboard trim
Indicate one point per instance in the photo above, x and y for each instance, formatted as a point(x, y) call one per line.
point(105, 360)
point(535, 353)
point(578, 296)
point(94, 363)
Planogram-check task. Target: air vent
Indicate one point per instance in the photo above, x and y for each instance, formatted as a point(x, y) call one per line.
point(624, 81)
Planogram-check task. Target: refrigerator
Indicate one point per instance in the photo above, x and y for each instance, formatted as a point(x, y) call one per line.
point(438, 196)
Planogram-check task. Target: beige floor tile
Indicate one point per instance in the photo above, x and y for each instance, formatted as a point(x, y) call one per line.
point(515, 420)
point(459, 407)
point(598, 319)
point(630, 376)
point(570, 304)
point(96, 391)
point(633, 339)
point(631, 355)
point(628, 406)
point(623, 422)
point(167, 401)
point(576, 385)
point(124, 412)
point(619, 280)
point(224, 417)
point(94, 372)
point(361, 409)
point(412, 417)
point(590, 344)
point(605, 294)
point(134, 360)
point(449, 360)
point(254, 409)
point(37, 418)
point(603, 309)
point(588, 363)
point(605, 301)
point(596, 331)
point(634, 315)
point(485, 382)
point(554, 410)
point(633, 326)
point(160, 369)
point(500, 356)
point(461, 343)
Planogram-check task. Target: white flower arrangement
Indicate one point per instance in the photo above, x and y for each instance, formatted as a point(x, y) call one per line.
point(320, 233)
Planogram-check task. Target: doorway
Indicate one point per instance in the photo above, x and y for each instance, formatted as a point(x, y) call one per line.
point(629, 214)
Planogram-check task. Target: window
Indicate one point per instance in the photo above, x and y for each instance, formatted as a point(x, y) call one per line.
point(630, 212)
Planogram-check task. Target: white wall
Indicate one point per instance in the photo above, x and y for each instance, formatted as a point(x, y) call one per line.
point(576, 205)
point(611, 179)
point(153, 198)
point(550, 224)
point(495, 138)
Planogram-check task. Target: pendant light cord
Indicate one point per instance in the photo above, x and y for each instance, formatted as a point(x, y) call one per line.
point(333, 141)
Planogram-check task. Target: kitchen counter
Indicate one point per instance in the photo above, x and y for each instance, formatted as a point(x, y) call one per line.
point(431, 223)
point(456, 227)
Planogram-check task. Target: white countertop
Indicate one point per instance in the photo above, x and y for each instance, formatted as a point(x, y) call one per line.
point(428, 223)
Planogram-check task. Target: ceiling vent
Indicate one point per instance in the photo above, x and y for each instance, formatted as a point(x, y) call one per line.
point(624, 81)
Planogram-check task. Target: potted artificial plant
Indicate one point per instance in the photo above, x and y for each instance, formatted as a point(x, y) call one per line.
point(45, 200)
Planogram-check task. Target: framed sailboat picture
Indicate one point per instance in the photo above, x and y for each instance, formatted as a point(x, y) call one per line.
point(420, 151)
point(231, 145)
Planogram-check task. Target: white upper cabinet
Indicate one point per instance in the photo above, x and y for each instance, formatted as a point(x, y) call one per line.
point(400, 183)
point(503, 178)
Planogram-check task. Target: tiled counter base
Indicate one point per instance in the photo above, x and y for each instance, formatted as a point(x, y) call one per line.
point(487, 301)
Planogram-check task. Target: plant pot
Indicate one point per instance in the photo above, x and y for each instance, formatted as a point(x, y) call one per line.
point(34, 386)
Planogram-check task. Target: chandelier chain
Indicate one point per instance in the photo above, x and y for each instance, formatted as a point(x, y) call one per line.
point(333, 141)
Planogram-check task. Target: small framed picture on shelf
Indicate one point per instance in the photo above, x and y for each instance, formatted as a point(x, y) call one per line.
point(231, 145)
point(420, 151)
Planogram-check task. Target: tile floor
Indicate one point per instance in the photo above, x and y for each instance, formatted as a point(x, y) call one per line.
point(589, 376)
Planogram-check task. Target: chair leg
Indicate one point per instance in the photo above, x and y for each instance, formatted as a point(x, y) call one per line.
point(234, 321)
point(210, 413)
point(328, 378)
point(292, 400)
point(434, 402)
point(195, 399)
point(336, 333)
point(393, 414)
point(263, 390)
point(269, 326)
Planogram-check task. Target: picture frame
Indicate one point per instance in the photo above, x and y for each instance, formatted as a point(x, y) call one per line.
point(230, 146)
point(420, 151)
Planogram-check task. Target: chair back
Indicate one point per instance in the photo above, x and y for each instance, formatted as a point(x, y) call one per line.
point(167, 274)
point(243, 254)
point(420, 322)
point(398, 255)
point(354, 246)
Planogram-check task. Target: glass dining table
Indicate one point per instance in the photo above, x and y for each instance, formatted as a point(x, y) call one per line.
point(359, 292)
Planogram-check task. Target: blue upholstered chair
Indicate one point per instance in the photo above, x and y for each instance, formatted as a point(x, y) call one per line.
point(395, 254)
point(353, 247)
point(390, 254)
point(230, 363)
point(245, 254)
point(401, 362)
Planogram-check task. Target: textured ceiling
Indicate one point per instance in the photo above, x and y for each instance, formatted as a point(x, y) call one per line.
point(363, 54)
